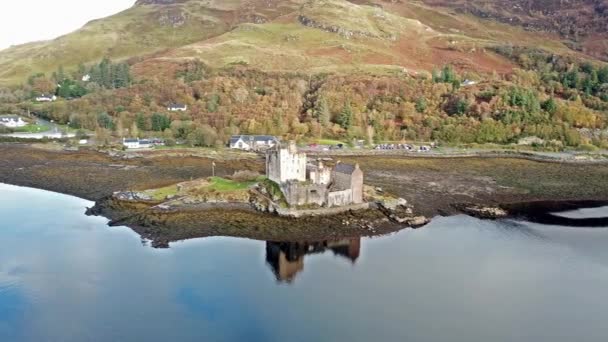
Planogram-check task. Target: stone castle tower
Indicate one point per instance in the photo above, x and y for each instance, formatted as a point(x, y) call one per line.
point(285, 163)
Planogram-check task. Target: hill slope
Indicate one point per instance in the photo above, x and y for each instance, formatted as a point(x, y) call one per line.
point(375, 36)
point(582, 23)
point(148, 27)
point(338, 35)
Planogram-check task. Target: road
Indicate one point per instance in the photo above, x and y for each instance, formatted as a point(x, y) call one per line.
point(54, 132)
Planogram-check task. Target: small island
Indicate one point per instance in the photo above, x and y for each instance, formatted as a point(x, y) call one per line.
point(293, 189)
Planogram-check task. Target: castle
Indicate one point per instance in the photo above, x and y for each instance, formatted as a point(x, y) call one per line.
point(305, 184)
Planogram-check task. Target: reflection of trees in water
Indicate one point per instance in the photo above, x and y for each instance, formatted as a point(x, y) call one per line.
point(545, 213)
point(514, 227)
point(287, 258)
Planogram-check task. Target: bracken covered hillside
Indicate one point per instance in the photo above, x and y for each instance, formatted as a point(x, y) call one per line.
point(583, 22)
point(319, 35)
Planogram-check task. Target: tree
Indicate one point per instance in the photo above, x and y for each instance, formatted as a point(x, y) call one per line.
point(160, 122)
point(550, 106)
point(345, 119)
point(447, 74)
point(142, 122)
point(134, 130)
point(421, 104)
point(105, 121)
point(321, 112)
point(213, 103)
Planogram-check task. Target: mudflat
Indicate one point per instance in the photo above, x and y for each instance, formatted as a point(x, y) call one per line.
point(434, 186)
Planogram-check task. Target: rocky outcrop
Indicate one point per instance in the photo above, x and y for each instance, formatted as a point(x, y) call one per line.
point(344, 32)
point(482, 211)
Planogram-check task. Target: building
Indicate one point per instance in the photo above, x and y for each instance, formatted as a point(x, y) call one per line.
point(253, 142)
point(306, 184)
point(46, 98)
point(284, 164)
point(12, 121)
point(134, 143)
point(177, 107)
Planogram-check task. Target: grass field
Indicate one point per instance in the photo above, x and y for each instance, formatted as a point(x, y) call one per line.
point(223, 184)
point(32, 129)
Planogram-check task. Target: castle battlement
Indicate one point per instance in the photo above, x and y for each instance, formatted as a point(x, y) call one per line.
point(316, 184)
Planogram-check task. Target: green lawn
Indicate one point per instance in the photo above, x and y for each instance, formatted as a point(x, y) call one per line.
point(330, 142)
point(32, 129)
point(222, 184)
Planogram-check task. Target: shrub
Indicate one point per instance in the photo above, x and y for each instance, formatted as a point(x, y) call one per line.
point(245, 176)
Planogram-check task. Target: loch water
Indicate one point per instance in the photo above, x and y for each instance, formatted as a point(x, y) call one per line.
point(68, 277)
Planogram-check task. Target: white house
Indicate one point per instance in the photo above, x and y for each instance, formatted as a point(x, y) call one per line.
point(86, 78)
point(134, 143)
point(46, 98)
point(253, 142)
point(177, 107)
point(467, 83)
point(12, 121)
point(130, 143)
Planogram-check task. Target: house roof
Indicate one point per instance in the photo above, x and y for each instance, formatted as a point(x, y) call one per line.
point(131, 140)
point(177, 105)
point(10, 117)
point(256, 138)
point(347, 169)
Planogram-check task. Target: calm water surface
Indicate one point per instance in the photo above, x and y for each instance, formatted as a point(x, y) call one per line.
point(68, 277)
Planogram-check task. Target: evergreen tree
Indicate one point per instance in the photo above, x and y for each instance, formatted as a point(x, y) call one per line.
point(105, 121)
point(550, 106)
point(345, 120)
point(160, 122)
point(447, 74)
point(321, 112)
point(141, 122)
point(421, 104)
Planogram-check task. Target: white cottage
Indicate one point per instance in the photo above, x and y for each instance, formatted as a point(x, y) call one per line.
point(253, 142)
point(12, 121)
point(177, 107)
point(46, 98)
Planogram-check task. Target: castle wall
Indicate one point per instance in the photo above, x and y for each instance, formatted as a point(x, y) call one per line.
point(299, 194)
point(341, 181)
point(340, 198)
point(320, 176)
point(357, 186)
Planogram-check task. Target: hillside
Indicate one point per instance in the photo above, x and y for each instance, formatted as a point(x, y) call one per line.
point(148, 27)
point(319, 35)
point(583, 24)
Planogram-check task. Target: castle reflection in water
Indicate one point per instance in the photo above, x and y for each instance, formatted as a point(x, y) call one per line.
point(287, 258)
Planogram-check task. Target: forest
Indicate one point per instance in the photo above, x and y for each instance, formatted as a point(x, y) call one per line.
point(561, 100)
